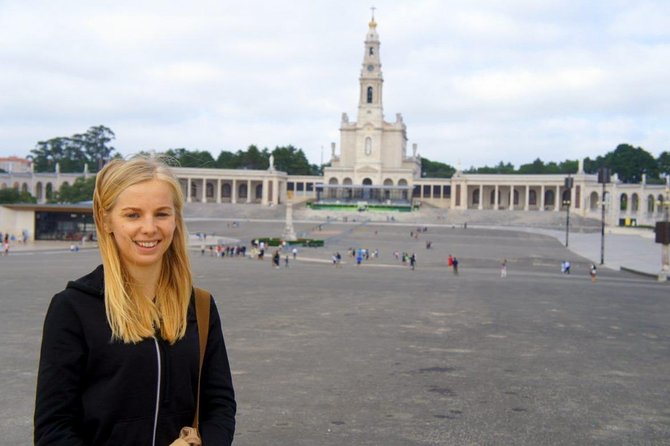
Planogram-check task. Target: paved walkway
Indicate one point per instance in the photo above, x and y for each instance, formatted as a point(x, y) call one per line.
point(632, 252)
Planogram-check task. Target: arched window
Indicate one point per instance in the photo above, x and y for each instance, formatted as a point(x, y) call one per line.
point(650, 204)
point(242, 191)
point(347, 181)
point(371, 51)
point(369, 95)
point(623, 202)
point(635, 203)
point(549, 198)
point(333, 181)
point(368, 146)
point(388, 182)
point(225, 190)
point(367, 182)
point(594, 201)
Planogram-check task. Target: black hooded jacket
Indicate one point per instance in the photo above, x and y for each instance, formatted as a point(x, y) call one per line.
point(95, 391)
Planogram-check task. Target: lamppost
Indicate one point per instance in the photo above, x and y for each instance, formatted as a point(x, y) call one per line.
point(569, 181)
point(603, 178)
point(663, 234)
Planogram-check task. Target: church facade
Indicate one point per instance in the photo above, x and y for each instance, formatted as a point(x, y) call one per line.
point(373, 166)
point(373, 152)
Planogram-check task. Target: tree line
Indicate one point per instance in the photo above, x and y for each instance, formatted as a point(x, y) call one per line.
point(628, 162)
point(92, 149)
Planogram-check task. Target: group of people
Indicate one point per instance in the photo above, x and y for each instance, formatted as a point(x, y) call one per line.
point(452, 262)
point(566, 267)
point(225, 251)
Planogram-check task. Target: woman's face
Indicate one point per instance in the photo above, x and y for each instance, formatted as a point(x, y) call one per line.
point(142, 223)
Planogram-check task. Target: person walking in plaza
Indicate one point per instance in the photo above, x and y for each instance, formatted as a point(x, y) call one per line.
point(503, 268)
point(120, 354)
point(593, 272)
point(276, 258)
point(412, 261)
point(455, 265)
point(5, 245)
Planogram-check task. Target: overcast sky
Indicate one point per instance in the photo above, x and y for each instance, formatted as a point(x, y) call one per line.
point(477, 82)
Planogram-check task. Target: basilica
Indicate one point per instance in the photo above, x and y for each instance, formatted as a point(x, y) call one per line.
point(372, 168)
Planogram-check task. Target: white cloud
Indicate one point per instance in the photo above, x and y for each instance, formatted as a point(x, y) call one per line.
point(478, 81)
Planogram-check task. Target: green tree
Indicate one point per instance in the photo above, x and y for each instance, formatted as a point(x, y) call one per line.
point(95, 146)
point(631, 162)
point(11, 195)
point(291, 160)
point(663, 162)
point(535, 167)
point(502, 167)
point(253, 159)
point(73, 153)
point(568, 166)
point(226, 160)
point(436, 169)
point(80, 190)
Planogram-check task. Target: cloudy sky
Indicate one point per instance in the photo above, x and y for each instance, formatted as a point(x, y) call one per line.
point(477, 82)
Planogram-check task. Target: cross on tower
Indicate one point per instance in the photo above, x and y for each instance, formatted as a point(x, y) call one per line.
point(373, 12)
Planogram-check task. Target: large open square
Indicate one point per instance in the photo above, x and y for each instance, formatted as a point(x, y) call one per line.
point(378, 354)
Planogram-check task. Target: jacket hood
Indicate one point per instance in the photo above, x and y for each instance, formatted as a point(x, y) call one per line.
point(92, 283)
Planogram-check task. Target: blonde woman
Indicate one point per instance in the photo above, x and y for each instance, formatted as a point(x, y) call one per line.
point(120, 350)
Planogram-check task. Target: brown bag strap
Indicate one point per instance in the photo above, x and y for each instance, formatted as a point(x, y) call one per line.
point(202, 299)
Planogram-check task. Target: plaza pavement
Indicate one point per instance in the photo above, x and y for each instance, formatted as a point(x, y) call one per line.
point(378, 354)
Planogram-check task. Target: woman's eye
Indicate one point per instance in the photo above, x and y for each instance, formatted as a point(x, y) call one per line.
point(132, 215)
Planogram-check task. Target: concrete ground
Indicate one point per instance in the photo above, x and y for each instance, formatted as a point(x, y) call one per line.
point(378, 354)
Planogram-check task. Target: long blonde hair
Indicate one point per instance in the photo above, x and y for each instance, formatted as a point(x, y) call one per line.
point(131, 317)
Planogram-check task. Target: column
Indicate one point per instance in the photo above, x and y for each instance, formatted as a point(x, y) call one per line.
point(248, 191)
point(511, 197)
point(559, 199)
point(481, 197)
point(275, 191)
point(264, 199)
point(495, 198)
point(204, 190)
point(188, 190)
point(233, 192)
point(526, 205)
point(542, 198)
point(218, 190)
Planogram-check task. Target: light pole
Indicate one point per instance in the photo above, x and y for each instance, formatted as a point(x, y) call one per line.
point(603, 178)
point(569, 181)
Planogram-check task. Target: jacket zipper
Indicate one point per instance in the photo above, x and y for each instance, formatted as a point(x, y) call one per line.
point(158, 391)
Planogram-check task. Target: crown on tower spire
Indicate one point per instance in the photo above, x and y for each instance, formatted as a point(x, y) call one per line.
point(372, 23)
